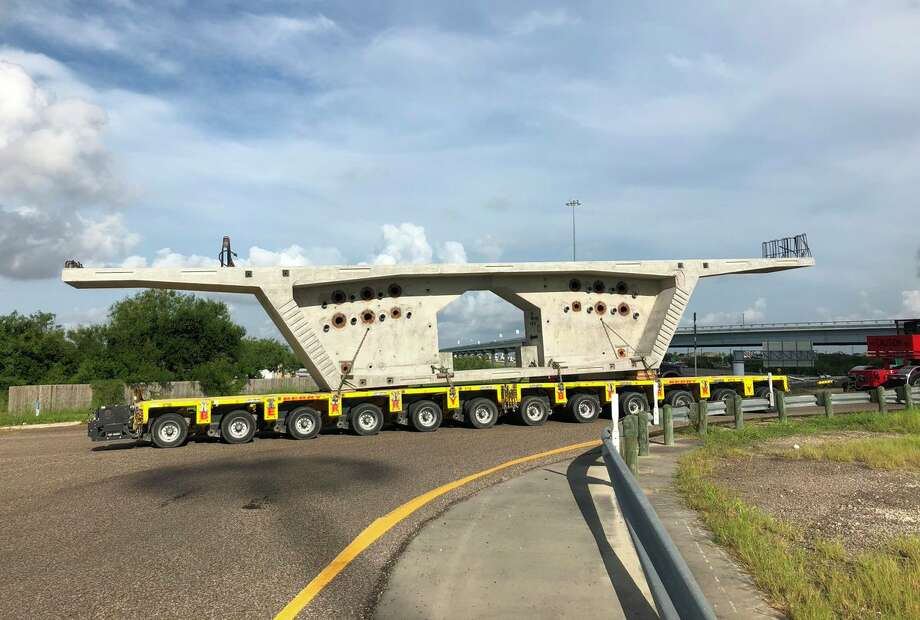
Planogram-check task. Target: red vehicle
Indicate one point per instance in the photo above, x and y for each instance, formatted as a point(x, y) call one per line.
point(899, 359)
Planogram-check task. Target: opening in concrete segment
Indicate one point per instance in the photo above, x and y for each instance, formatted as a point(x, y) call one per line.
point(478, 318)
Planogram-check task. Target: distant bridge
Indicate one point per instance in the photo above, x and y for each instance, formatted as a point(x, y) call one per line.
point(747, 336)
point(820, 333)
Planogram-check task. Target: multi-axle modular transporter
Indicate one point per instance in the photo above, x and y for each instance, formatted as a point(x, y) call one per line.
point(367, 334)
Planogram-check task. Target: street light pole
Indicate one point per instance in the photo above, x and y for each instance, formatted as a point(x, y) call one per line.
point(573, 204)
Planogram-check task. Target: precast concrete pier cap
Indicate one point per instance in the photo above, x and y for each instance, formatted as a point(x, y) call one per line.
point(376, 326)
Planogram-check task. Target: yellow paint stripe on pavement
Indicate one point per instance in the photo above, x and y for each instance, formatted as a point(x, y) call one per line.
point(384, 524)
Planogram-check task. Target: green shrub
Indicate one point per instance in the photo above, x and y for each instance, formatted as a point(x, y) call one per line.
point(108, 392)
point(220, 377)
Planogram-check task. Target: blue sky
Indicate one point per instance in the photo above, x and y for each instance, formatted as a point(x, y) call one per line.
point(317, 132)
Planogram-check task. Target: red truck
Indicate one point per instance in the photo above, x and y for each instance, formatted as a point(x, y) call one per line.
point(899, 359)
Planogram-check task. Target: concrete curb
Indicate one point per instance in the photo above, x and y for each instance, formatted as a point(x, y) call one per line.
point(25, 427)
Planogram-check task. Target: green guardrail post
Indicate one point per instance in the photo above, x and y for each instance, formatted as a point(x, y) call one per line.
point(880, 399)
point(738, 409)
point(779, 397)
point(828, 401)
point(667, 421)
point(703, 422)
point(643, 433)
point(631, 442)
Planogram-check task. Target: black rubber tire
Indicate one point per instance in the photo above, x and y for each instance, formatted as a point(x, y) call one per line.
point(237, 427)
point(762, 391)
point(584, 408)
point(426, 416)
point(723, 394)
point(366, 419)
point(169, 430)
point(303, 423)
point(679, 398)
point(633, 402)
point(482, 413)
point(534, 410)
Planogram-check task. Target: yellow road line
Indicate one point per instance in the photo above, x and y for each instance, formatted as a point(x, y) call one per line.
point(384, 524)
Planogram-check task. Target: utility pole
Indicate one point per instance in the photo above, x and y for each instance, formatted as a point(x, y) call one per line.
point(694, 344)
point(573, 204)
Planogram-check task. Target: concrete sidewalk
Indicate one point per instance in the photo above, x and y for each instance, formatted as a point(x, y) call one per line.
point(551, 543)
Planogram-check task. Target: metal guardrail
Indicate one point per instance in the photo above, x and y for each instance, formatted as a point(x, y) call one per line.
point(670, 581)
point(761, 405)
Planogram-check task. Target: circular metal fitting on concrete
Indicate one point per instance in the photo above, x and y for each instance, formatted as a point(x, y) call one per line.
point(367, 293)
point(576, 306)
point(623, 309)
point(338, 320)
point(367, 317)
point(600, 307)
point(394, 290)
point(395, 313)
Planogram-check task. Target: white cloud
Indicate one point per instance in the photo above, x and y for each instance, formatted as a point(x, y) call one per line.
point(165, 257)
point(708, 65)
point(452, 252)
point(293, 256)
point(755, 313)
point(407, 243)
point(911, 303)
point(541, 20)
point(478, 315)
point(56, 190)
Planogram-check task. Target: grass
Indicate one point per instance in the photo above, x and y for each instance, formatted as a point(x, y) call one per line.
point(70, 415)
point(877, 452)
point(815, 579)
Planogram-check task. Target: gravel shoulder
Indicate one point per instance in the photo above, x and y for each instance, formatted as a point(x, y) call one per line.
point(856, 505)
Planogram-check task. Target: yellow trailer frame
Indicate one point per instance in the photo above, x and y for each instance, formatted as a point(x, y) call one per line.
point(506, 394)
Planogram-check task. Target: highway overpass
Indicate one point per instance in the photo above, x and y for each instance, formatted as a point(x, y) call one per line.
point(747, 336)
point(820, 333)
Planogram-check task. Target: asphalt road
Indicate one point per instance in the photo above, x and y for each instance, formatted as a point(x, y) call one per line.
point(214, 530)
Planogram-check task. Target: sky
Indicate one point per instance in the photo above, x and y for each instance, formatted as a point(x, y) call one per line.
point(136, 133)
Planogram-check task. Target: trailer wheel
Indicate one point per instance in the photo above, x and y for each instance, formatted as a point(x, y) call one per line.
point(633, 403)
point(585, 407)
point(237, 427)
point(762, 392)
point(366, 419)
point(426, 415)
point(679, 398)
point(169, 431)
point(723, 394)
point(482, 413)
point(304, 423)
point(534, 410)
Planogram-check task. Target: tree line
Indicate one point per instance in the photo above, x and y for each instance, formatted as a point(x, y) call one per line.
point(155, 336)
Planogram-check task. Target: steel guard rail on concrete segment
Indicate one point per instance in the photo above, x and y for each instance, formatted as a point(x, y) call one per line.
point(671, 583)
